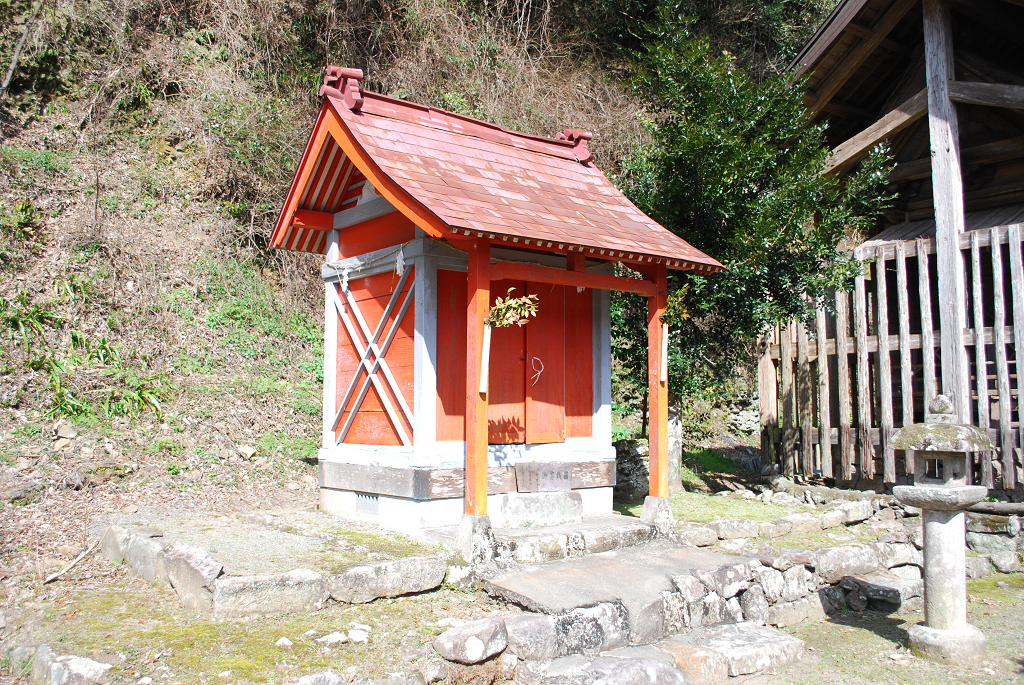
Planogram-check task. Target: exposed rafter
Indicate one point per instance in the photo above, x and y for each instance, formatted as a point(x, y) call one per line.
point(853, 149)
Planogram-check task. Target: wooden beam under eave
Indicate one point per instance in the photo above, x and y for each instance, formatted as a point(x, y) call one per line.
point(850, 151)
point(849, 64)
point(317, 221)
point(501, 271)
point(990, 94)
point(989, 153)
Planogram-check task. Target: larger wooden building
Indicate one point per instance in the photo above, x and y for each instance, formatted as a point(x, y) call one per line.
point(940, 304)
point(424, 217)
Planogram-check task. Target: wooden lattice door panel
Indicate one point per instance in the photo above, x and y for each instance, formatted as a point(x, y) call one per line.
point(579, 363)
point(506, 391)
point(545, 366)
point(375, 371)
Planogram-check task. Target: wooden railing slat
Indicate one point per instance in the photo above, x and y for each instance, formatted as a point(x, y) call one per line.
point(1017, 287)
point(860, 323)
point(885, 422)
point(980, 361)
point(843, 372)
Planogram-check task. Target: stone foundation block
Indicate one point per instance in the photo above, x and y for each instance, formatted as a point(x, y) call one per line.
point(536, 509)
point(192, 572)
point(531, 636)
point(300, 590)
point(591, 630)
point(144, 555)
point(364, 584)
point(114, 542)
point(749, 648)
point(700, 665)
point(50, 669)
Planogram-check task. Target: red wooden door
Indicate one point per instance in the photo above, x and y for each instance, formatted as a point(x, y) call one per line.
point(545, 366)
point(506, 386)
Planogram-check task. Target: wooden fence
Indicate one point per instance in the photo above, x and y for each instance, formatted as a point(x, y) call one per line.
point(872, 367)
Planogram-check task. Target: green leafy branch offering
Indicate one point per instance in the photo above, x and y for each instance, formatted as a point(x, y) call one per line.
point(511, 310)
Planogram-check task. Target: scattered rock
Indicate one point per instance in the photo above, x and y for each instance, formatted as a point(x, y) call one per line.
point(434, 669)
point(360, 636)
point(831, 519)
point(300, 590)
point(328, 677)
point(473, 642)
point(334, 638)
point(66, 430)
point(50, 669)
point(283, 643)
point(856, 511)
point(883, 587)
point(803, 523)
point(1005, 562)
point(832, 563)
point(978, 567)
point(247, 452)
point(698, 536)
point(734, 528)
point(364, 584)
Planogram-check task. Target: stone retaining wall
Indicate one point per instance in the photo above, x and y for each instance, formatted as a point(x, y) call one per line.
point(202, 584)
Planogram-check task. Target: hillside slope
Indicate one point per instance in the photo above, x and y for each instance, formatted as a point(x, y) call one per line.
point(152, 349)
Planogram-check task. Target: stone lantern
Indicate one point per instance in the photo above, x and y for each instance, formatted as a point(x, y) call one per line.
point(941, 447)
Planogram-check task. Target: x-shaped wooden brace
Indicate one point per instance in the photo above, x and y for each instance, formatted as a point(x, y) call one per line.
point(378, 362)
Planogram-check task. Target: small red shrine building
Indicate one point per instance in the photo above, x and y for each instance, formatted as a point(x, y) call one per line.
point(424, 217)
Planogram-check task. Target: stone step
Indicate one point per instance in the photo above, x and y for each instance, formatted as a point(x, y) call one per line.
point(706, 656)
point(638, 579)
point(735, 648)
point(597, 533)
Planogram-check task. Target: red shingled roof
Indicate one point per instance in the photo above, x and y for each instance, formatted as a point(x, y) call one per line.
point(471, 177)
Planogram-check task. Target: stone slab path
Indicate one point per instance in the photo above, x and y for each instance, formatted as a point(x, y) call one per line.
point(632, 576)
point(270, 541)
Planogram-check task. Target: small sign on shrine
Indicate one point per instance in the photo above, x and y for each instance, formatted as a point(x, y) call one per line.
point(424, 217)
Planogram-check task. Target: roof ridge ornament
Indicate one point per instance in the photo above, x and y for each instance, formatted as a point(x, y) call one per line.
point(578, 137)
point(343, 83)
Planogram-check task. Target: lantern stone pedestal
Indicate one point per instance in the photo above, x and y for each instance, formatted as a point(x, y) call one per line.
point(940, 490)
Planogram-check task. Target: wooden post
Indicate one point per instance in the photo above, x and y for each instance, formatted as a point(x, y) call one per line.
point(804, 400)
point(999, 343)
point(947, 192)
point(860, 325)
point(330, 351)
point(843, 371)
point(788, 400)
point(768, 399)
point(980, 360)
point(906, 363)
point(657, 387)
point(1013, 241)
point(478, 297)
point(824, 396)
point(924, 279)
point(885, 421)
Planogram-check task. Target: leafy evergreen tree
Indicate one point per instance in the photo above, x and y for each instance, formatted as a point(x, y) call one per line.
point(736, 169)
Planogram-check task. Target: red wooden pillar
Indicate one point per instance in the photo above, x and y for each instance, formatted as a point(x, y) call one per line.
point(478, 296)
point(657, 385)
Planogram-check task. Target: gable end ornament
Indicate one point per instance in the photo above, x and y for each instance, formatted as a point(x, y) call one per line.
point(343, 83)
point(578, 137)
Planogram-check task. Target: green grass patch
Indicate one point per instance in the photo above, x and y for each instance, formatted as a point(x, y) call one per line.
point(303, 448)
point(701, 508)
